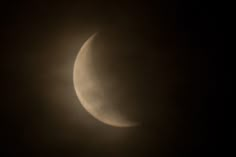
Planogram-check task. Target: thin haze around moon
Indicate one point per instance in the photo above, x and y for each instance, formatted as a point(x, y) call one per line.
point(90, 91)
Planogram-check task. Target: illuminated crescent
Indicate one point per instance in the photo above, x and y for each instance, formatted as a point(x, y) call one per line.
point(90, 91)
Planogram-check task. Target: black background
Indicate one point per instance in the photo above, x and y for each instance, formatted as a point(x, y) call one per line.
point(40, 42)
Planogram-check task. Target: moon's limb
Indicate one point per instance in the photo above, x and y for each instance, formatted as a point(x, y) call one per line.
point(90, 91)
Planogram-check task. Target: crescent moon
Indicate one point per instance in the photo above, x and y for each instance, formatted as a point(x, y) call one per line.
point(90, 91)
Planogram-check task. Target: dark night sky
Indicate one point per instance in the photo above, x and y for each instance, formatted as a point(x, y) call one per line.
point(182, 39)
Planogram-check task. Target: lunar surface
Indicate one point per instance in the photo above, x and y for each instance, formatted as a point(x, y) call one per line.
point(100, 97)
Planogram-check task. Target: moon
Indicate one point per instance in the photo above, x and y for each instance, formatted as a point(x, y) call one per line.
point(92, 92)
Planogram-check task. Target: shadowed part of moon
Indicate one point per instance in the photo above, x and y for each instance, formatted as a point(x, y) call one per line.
point(91, 90)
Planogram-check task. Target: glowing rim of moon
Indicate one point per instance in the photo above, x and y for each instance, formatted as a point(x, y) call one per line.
point(116, 120)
